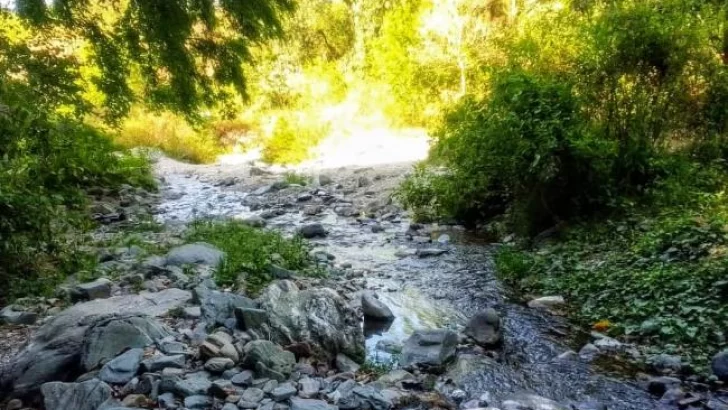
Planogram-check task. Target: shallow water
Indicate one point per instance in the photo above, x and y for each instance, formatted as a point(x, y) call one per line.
point(432, 292)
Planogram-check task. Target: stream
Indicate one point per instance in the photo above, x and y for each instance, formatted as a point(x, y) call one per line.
point(439, 291)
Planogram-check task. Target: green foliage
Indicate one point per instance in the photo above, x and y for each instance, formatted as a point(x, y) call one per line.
point(47, 165)
point(186, 53)
point(656, 274)
point(169, 133)
point(291, 140)
point(293, 178)
point(250, 253)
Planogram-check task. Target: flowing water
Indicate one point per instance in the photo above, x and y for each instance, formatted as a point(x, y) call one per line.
point(431, 292)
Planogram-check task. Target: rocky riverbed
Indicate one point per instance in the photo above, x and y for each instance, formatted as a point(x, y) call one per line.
point(419, 304)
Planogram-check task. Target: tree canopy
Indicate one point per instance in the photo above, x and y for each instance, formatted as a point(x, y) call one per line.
point(176, 54)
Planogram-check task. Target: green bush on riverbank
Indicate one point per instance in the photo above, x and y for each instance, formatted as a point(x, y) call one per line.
point(657, 273)
point(251, 252)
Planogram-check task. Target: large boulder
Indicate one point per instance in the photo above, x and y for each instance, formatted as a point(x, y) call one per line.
point(218, 307)
point(319, 317)
point(88, 395)
point(429, 348)
point(84, 336)
point(485, 328)
point(195, 253)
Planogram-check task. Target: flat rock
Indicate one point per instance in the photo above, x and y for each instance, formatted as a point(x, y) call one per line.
point(310, 404)
point(547, 302)
point(195, 253)
point(14, 317)
point(283, 392)
point(123, 368)
point(217, 307)
point(531, 402)
point(77, 396)
point(429, 347)
point(345, 364)
point(219, 364)
point(97, 289)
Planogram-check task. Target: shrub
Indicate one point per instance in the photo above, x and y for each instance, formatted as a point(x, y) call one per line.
point(47, 164)
point(292, 139)
point(525, 151)
point(171, 134)
point(250, 253)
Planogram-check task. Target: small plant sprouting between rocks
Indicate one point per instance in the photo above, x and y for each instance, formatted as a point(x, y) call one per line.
point(250, 253)
point(293, 178)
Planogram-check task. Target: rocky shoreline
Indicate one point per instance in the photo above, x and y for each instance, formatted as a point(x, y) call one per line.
point(155, 331)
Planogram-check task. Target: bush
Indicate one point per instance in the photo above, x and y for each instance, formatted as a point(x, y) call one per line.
point(250, 253)
point(171, 134)
point(47, 164)
point(292, 139)
point(525, 151)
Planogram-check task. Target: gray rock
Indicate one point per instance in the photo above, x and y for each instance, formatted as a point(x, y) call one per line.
point(266, 356)
point(283, 392)
point(429, 347)
point(195, 253)
point(123, 368)
point(244, 378)
point(547, 302)
point(269, 386)
point(719, 365)
point(530, 402)
point(374, 308)
point(396, 377)
point(252, 395)
point(157, 363)
point(665, 363)
point(107, 338)
point(14, 404)
point(485, 328)
point(98, 289)
point(170, 347)
point(219, 345)
point(251, 318)
point(13, 317)
point(230, 406)
point(309, 404)
point(428, 252)
point(192, 386)
point(345, 364)
point(167, 401)
point(308, 387)
point(198, 402)
point(77, 396)
point(312, 231)
point(192, 312)
point(219, 364)
point(318, 316)
point(372, 398)
point(72, 338)
point(217, 307)
point(389, 346)
point(588, 351)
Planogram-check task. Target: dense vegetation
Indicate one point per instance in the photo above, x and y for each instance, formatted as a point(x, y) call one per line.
point(69, 72)
point(596, 130)
point(597, 133)
point(251, 253)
